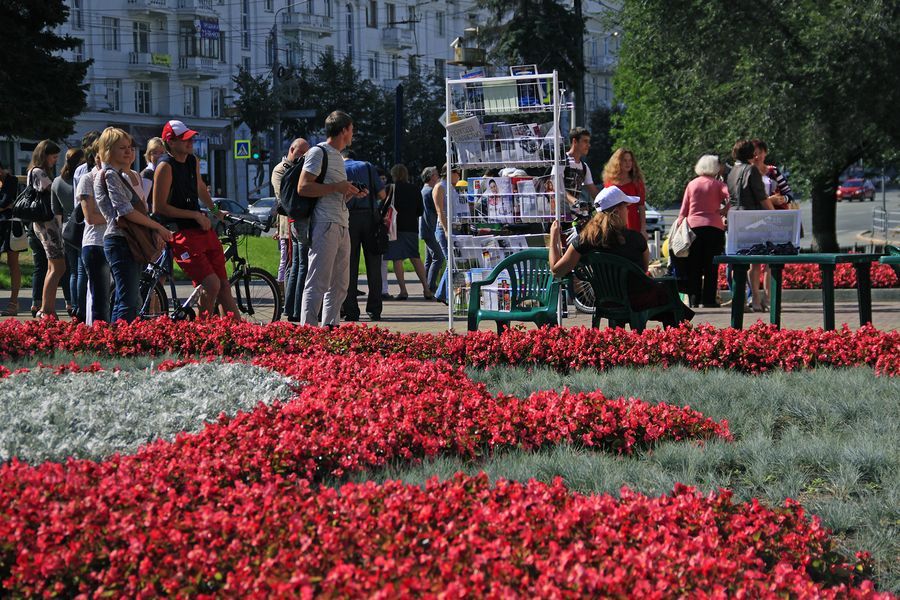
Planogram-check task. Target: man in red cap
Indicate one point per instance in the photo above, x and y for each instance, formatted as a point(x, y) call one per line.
point(177, 191)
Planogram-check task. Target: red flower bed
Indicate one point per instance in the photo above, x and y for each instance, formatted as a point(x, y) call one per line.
point(759, 349)
point(808, 277)
point(236, 510)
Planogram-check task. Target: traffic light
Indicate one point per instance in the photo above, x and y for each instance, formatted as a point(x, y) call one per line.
point(263, 155)
point(255, 155)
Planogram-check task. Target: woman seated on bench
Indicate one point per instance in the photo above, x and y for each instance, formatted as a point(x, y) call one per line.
point(607, 232)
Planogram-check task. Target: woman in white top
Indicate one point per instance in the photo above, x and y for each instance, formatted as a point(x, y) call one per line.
point(43, 160)
point(98, 276)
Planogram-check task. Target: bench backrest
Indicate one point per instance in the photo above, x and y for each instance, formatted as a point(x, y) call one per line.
point(529, 276)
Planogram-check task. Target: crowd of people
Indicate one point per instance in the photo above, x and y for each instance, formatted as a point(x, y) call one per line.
point(99, 204)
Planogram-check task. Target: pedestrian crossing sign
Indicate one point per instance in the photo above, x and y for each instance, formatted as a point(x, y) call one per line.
point(241, 149)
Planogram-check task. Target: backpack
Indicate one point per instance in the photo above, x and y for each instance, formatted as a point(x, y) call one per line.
point(292, 204)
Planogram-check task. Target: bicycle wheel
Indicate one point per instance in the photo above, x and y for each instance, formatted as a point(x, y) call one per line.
point(584, 296)
point(257, 296)
point(157, 304)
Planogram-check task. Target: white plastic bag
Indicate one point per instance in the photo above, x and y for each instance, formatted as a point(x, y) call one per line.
point(18, 238)
point(681, 238)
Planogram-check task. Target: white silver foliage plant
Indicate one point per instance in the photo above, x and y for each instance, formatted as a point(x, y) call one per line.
point(44, 416)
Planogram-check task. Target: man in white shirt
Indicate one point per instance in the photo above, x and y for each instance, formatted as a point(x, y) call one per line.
point(329, 250)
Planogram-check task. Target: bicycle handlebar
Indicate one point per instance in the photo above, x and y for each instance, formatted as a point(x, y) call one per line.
point(263, 227)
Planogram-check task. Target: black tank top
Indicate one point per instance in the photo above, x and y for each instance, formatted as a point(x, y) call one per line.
point(183, 193)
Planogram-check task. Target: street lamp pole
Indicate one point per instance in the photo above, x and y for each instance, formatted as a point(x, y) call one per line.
point(276, 67)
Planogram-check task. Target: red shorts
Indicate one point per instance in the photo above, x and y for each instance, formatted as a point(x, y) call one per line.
point(199, 254)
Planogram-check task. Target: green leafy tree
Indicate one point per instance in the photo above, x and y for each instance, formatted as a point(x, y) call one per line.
point(600, 124)
point(819, 81)
point(258, 105)
point(334, 84)
point(541, 32)
point(423, 136)
point(41, 94)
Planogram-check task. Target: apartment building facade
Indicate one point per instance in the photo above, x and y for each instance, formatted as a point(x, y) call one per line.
point(161, 59)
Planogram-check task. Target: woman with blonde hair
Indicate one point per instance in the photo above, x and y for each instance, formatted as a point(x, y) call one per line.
point(116, 191)
point(704, 205)
point(49, 233)
point(622, 171)
point(155, 150)
point(607, 232)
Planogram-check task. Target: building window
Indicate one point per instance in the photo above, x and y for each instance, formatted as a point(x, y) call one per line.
point(217, 103)
point(310, 7)
point(372, 14)
point(413, 64)
point(439, 67)
point(270, 51)
point(350, 30)
point(78, 51)
point(373, 66)
point(110, 33)
point(269, 5)
point(191, 100)
point(245, 62)
point(114, 94)
point(222, 48)
point(245, 24)
point(329, 11)
point(439, 22)
point(395, 66)
point(76, 14)
point(411, 17)
point(142, 97)
point(205, 42)
point(390, 11)
point(141, 37)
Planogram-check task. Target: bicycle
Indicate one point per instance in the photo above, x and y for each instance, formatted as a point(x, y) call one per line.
point(256, 291)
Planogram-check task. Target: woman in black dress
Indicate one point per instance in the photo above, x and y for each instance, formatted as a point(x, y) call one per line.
point(407, 201)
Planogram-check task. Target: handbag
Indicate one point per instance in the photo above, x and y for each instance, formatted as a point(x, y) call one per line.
point(18, 238)
point(145, 244)
point(73, 228)
point(681, 239)
point(32, 205)
point(380, 227)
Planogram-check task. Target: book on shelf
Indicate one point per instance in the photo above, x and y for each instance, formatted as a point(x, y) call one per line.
point(500, 97)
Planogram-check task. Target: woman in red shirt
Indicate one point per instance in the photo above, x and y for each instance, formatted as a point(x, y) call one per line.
point(704, 204)
point(622, 171)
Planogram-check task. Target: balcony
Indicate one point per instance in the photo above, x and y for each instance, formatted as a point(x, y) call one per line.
point(150, 63)
point(203, 8)
point(295, 22)
point(395, 39)
point(601, 64)
point(197, 67)
point(149, 7)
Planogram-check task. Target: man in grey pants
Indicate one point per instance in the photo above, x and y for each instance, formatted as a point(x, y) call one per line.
point(329, 250)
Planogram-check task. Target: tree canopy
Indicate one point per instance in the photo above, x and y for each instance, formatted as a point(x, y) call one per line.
point(41, 94)
point(819, 81)
point(541, 32)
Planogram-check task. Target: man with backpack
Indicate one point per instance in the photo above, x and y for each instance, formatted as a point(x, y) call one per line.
point(293, 286)
point(329, 249)
point(364, 212)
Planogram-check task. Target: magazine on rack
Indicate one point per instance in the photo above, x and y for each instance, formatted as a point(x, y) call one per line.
point(467, 135)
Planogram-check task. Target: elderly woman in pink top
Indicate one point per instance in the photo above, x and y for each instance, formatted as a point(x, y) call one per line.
point(704, 205)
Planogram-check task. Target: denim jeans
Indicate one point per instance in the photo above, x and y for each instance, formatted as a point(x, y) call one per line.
point(434, 254)
point(40, 269)
point(97, 279)
point(296, 276)
point(126, 273)
point(75, 271)
point(441, 238)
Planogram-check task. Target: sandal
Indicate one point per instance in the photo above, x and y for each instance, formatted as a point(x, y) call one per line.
point(12, 310)
point(403, 296)
point(42, 315)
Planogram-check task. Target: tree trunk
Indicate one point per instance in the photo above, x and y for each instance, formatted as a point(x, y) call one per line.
point(824, 213)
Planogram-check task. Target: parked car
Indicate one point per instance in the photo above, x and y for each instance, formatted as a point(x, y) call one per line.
point(655, 221)
point(264, 209)
point(234, 208)
point(853, 189)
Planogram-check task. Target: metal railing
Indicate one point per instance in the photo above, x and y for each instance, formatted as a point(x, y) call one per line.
point(885, 222)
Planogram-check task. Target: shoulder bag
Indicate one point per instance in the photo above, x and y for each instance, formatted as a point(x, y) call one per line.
point(145, 244)
point(382, 236)
point(18, 236)
point(32, 205)
point(73, 228)
point(681, 239)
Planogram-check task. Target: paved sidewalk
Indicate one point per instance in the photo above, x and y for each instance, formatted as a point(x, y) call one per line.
point(419, 315)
